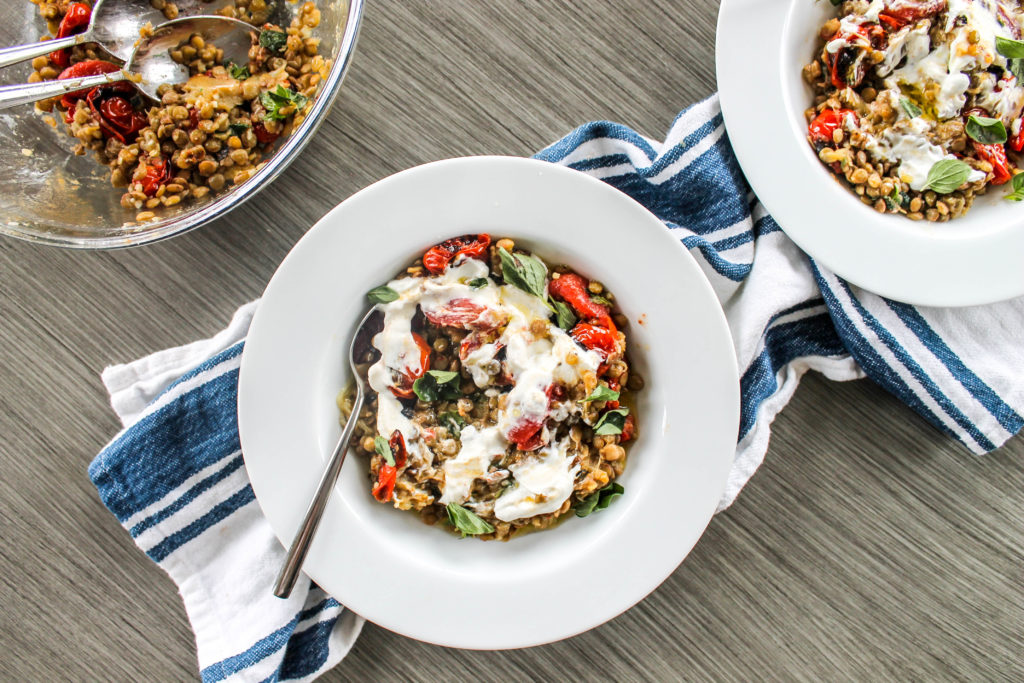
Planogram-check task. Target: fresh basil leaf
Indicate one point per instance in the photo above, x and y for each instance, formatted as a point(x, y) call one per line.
point(437, 385)
point(1013, 49)
point(280, 97)
point(453, 422)
point(946, 175)
point(239, 73)
point(442, 376)
point(895, 199)
point(275, 41)
point(985, 130)
point(1018, 188)
point(238, 128)
point(564, 317)
point(478, 282)
point(467, 521)
point(602, 393)
point(1016, 67)
point(584, 507)
point(381, 445)
point(599, 500)
point(611, 422)
point(598, 299)
point(910, 108)
point(382, 295)
point(526, 272)
point(609, 494)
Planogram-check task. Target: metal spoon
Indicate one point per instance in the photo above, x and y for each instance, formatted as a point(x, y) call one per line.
point(304, 537)
point(114, 25)
point(149, 64)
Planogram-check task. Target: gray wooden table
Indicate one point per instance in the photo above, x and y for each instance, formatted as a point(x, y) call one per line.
point(868, 547)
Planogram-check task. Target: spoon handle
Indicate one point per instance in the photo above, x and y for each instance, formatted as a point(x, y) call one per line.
point(300, 546)
point(19, 53)
point(13, 95)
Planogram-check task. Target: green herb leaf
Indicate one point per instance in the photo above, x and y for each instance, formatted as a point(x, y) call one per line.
point(599, 500)
point(564, 317)
point(947, 175)
point(239, 73)
point(238, 128)
point(598, 299)
point(280, 97)
point(478, 282)
point(453, 422)
point(437, 385)
point(602, 393)
point(836, 3)
point(1018, 188)
point(1013, 49)
point(894, 200)
point(985, 130)
point(911, 109)
point(382, 295)
point(275, 41)
point(526, 272)
point(611, 422)
point(466, 521)
point(1016, 67)
point(381, 445)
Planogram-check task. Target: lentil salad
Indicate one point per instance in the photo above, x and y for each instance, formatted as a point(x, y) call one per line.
point(501, 391)
point(918, 103)
point(207, 134)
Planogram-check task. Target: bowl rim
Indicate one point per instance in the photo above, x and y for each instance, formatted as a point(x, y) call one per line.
point(277, 163)
point(288, 421)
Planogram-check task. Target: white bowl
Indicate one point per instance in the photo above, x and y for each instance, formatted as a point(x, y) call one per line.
point(762, 46)
point(419, 580)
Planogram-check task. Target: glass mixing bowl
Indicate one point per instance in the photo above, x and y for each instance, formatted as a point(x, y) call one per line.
point(49, 195)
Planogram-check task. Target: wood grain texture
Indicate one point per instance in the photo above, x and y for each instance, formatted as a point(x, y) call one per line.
point(868, 547)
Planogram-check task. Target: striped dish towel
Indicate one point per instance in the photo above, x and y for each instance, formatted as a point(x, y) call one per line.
point(174, 475)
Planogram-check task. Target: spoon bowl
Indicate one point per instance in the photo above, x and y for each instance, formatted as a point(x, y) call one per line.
point(114, 25)
point(150, 64)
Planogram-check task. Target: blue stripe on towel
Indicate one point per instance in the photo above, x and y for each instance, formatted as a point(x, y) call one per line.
point(201, 487)
point(985, 395)
point(933, 390)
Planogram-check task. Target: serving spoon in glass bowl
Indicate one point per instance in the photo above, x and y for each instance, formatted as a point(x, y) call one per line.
point(149, 64)
point(358, 350)
point(114, 25)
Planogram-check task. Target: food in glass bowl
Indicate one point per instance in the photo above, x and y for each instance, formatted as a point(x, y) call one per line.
point(501, 391)
point(206, 134)
point(918, 103)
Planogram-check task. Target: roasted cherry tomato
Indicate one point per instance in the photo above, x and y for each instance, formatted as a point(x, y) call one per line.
point(90, 67)
point(995, 155)
point(527, 434)
point(827, 122)
point(1016, 142)
point(262, 134)
point(899, 13)
point(628, 429)
point(595, 338)
point(398, 451)
point(385, 486)
point(193, 118)
point(119, 118)
point(402, 380)
point(464, 314)
point(158, 172)
point(572, 289)
point(437, 258)
point(75, 20)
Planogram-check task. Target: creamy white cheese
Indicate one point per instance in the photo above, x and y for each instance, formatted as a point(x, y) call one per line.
point(907, 142)
point(479, 448)
point(542, 482)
